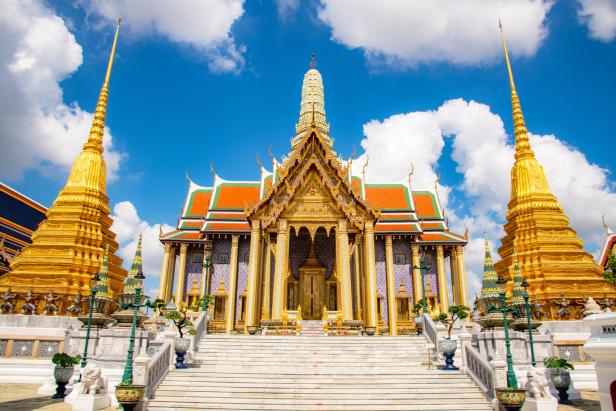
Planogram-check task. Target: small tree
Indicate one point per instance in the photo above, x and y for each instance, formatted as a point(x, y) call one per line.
point(63, 360)
point(555, 362)
point(458, 312)
point(159, 306)
point(180, 321)
point(610, 269)
point(417, 308)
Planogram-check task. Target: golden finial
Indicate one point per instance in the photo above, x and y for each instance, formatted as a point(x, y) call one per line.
point(608, 231)
point(95, 139)
point(313, 62)
point(363, 169)
point(466, 233)
point(160, 231)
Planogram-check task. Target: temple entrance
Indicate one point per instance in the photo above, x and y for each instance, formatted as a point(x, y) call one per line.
point(312, 286)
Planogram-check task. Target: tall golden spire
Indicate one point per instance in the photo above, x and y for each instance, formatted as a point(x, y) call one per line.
point(551, 254)
point(69, 245)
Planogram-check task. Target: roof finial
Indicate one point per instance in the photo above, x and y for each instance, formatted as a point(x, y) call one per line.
point(212, 170)
point(188, 177)
point(608, 231)
point(350, 162)
point(259, 162)
point(411, 173)
point(363, 169)
point(313, 62)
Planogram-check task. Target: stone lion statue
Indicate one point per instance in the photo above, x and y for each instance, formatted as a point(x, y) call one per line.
point(92, 381)
point(537, 385)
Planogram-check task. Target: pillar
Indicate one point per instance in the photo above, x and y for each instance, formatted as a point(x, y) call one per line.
point(179, 298)
point(253, 268)
point(281, 263)
point(171, 279)
point(453, 269)
point(391, 291)
point(356, 277)
point(461, 276)
point(344, 270)
point(164, 272)
point(370, 269)
point(207, 260)
point(443, 298)
point(417, 286)
point(267, 278)
point(232, 284)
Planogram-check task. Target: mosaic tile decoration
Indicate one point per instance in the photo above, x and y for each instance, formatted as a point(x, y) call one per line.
point(243, 255)
point(570, 352)
point(22, 348)
point(381, 275)
point(219, 271)
point(403, 271)
point(299, 247)
point(431, 274)
point(3, 344)
point(325, 246)
point(48, 348)
point(194, 269)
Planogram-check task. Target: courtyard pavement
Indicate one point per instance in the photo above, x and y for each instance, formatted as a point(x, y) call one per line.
point(23, 397)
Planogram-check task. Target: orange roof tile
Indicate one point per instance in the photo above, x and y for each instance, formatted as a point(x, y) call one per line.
point(236, 196)
point(198, 203)
point(227, 227)
point(425, 204)
point(407, 227)
point(383, 196)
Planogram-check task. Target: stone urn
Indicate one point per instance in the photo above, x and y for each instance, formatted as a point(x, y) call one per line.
point(448, 348)
point(252, 329)
point(129, 395)
point(181, 346)
point(370, 330)
point(62, 376)
point(512, 399)
point(561, 378)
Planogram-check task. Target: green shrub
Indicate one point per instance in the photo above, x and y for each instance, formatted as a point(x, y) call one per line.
point(64, 360)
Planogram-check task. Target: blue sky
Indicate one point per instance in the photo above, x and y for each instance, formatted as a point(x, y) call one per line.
point(195, 84)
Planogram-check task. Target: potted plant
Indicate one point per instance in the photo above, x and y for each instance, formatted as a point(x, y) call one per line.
point(129, 395)
point(182, 343)
point(559, 374)
point(512, 399)
point(417, 319)
point(63, 371)
point(448, 346)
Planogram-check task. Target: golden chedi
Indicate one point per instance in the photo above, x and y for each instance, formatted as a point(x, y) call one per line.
point(68, 246)
point(549, 252)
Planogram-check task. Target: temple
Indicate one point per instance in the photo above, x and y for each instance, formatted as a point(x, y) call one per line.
point(68, 246)
point(311, 235)
point(549, 252)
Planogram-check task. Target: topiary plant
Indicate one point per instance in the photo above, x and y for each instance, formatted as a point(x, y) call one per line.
point(610, 269)
point(457, 312)
point(555, 362)
point(180, 321)
point(63, 360)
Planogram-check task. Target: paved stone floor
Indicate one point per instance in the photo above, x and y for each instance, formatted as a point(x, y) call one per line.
point(23, 397)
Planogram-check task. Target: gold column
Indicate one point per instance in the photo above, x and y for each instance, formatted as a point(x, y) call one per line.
point(461, 276)
point(344, 270)
point(267, 278)
point(232, 284)
point(281, 263)
point(453, 269)
point(370, 268)
point(417, 286)
point(179, 298)
point(442, 279)
point(391, 283)
point(253, 268)
point(164, 273)
point(356, 277)
point(207, 260)
point(171, 278)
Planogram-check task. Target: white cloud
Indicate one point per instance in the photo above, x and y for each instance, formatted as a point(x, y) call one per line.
point(128, 225)
point(202, 24)
point(484, 157)
point(600, 17)
point(405, 33)
point(37, 129)
point(286, 8)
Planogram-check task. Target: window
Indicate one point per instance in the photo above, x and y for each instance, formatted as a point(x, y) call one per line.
point(219, 307)
point(223, 258)
point(196, 258)
point(399, 259)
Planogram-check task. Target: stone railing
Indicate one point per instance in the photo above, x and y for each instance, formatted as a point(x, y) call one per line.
point(429, 329)
point(478, 368)
point(200, 326)
point(150, 370)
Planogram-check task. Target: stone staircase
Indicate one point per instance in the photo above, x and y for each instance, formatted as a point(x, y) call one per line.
point(315, 373)
point(312, 328)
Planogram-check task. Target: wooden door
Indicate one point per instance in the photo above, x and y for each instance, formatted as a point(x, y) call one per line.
point(313, 291)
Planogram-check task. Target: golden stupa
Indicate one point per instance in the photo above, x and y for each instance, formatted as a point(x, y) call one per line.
point(68, 246)
point(560, 274)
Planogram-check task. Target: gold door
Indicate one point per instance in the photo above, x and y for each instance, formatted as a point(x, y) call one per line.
point(312, 290)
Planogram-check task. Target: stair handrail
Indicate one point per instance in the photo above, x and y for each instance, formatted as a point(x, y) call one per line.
point(150, 371)
point(200, 326)
point(478, 368)
point(429, 329)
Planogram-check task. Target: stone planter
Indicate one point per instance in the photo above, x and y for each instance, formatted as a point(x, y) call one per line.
point(448, 349)
point(370, 330)
point(129, 395)
point(512, 399)
point(418, 321)
point(252, 329)
point(62, 376)
point(181, 346)
point(562, 380)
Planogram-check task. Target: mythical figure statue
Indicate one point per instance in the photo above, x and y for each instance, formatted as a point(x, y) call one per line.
point(29, 307)
point(536, 311)
point(536, 385)
point(75, 308)
point(50, 307)
point(7, 305)
point(563, 312)
point(92, 381)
